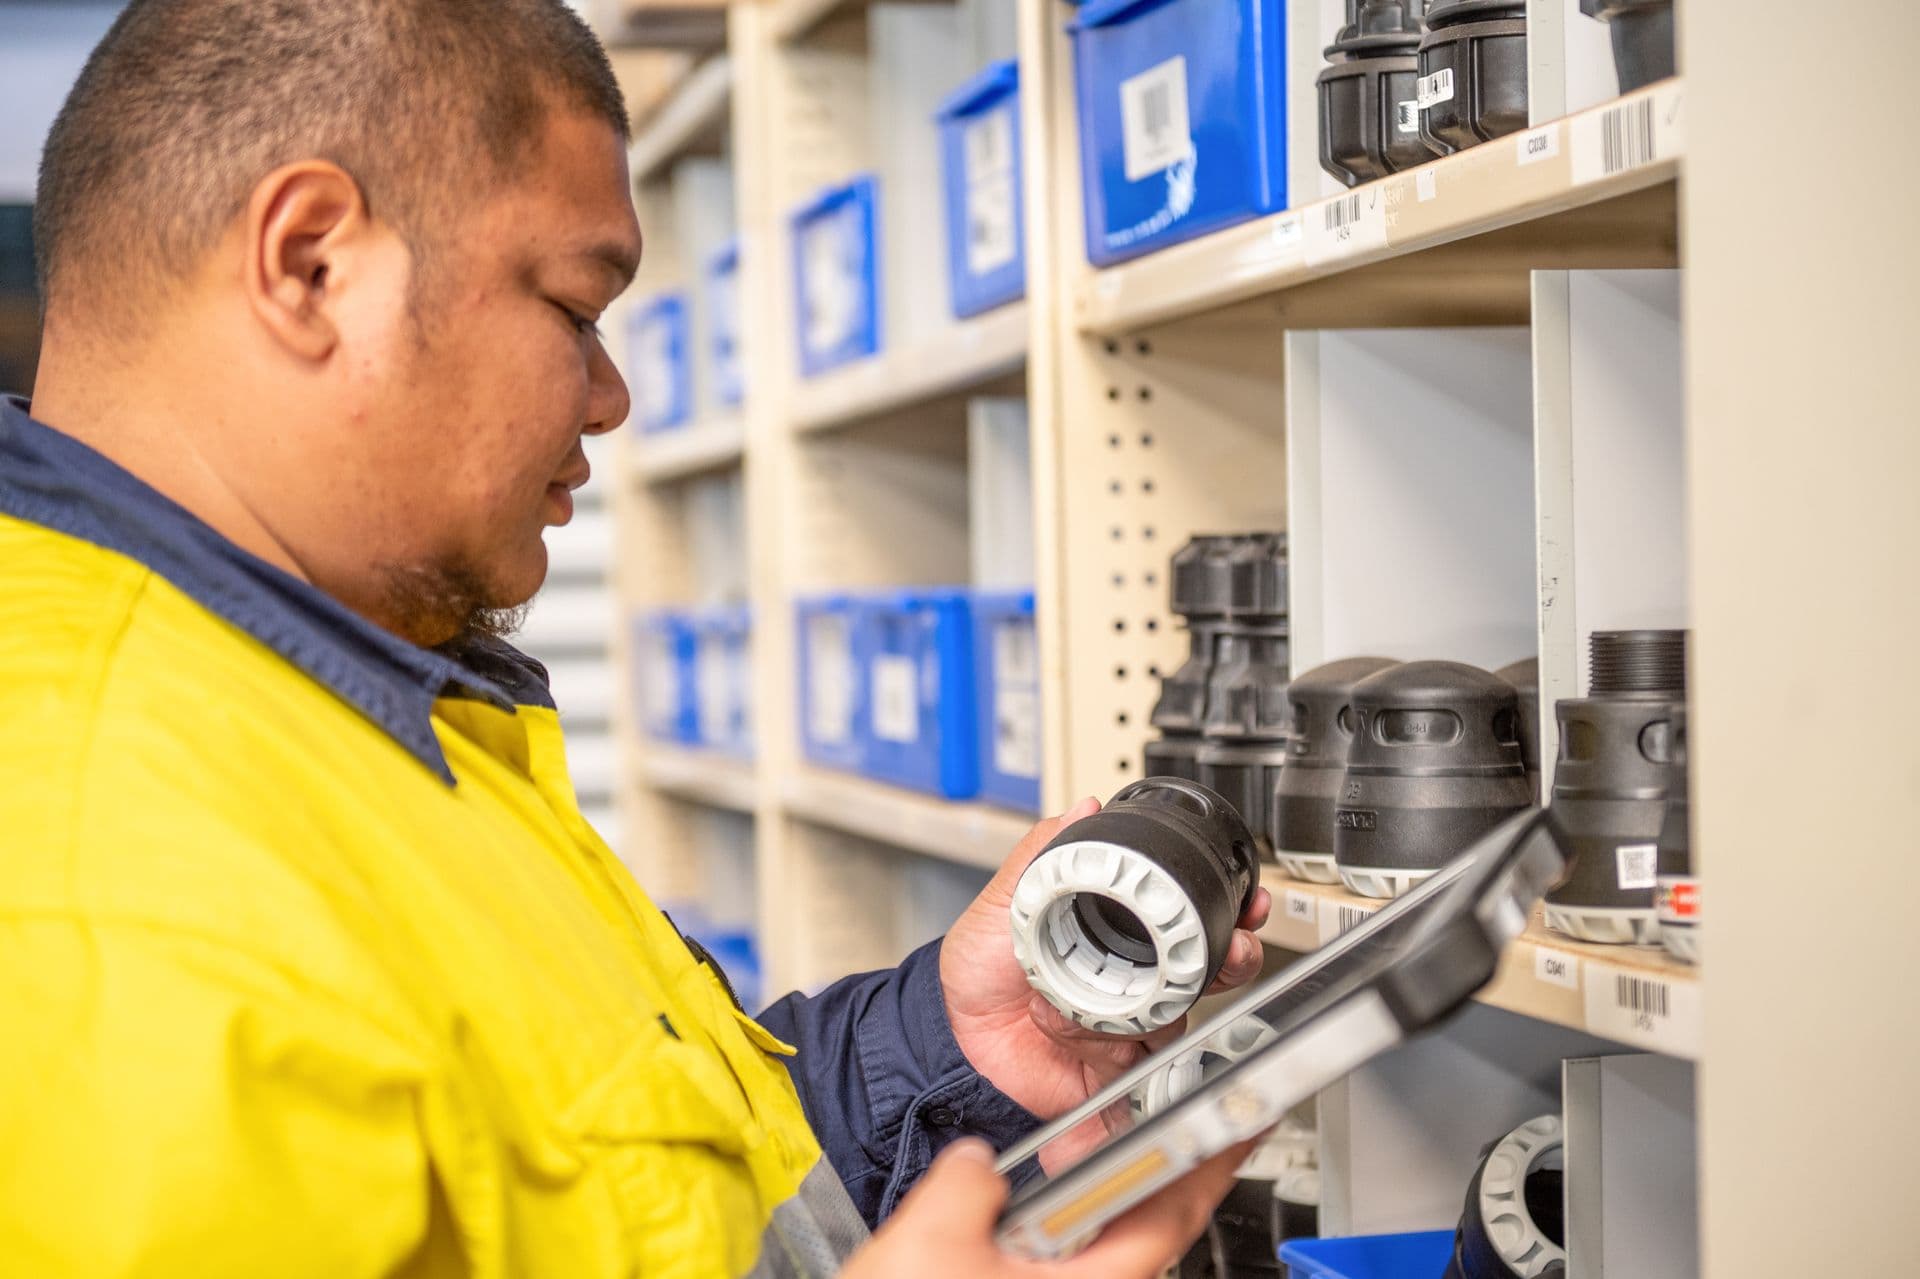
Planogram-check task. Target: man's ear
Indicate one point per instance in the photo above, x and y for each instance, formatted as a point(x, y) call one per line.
point(299, 222)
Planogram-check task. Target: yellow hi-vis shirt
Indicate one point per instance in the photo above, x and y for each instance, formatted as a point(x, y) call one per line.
point(277, 1001)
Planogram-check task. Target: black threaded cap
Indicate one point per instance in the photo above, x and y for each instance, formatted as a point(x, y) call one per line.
point(1200, 576)
point(1627, 662)
point(1259, 577)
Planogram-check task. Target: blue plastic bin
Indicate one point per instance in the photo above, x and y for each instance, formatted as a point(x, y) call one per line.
point(1006, 664)
point(1422, 1255)
point(920, 708)
point(723, 325)
point(833, 687)
point(663, 658)
point(721, 690)
point(1183, 120)
point(986, 225)
point(836, 283)
point(660, 356)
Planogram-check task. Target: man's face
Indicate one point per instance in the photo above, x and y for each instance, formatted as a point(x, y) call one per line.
point(476, 418)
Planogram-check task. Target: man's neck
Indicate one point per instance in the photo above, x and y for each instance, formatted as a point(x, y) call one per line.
point(155, 436)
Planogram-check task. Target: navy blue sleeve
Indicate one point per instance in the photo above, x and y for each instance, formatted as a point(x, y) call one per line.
point(884, 1084)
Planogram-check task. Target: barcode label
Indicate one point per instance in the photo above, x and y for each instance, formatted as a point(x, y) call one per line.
point(1638, 865)
point(1343, 916)
point(896, 703)
point(1649, 1012)
point(1643, 995)
point(992, 219)
point(1347, 225)
point(1154, 127)
point(1406, 116)
point(1435, 89)
point(1628, 136)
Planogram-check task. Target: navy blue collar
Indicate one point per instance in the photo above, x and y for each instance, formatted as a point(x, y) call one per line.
point(55, 481)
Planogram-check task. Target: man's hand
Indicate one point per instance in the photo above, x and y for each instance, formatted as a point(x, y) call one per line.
point(944, 1227)
point(1015, 1037)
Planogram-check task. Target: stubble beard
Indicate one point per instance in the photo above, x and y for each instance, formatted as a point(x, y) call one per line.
point(432, 605)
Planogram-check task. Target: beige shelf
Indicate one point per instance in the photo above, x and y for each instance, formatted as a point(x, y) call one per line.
point(693, 118)
point(972, 834)
point(1595, 189)
point(792, 19)
point(1542, 975)
point(970, 354)
point(701, 776)
point(703, 446)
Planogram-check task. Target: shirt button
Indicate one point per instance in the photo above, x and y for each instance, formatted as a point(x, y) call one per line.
point(942, 1117)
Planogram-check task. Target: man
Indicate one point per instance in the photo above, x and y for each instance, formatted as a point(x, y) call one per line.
point(308, 963)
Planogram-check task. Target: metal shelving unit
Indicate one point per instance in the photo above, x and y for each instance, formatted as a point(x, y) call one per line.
point(1502, 333)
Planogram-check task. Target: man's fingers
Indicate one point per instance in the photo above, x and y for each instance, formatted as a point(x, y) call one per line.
point(1244, 958)
point(1258, 912)
point(1042, 834)
point(960, 1194)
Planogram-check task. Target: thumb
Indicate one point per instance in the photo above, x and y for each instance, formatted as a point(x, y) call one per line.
point(962, 1189)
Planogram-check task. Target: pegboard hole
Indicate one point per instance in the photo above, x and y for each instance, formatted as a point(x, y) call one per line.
point(1146, 486)
point(1119, 672)
point(1119, 534)
point(1119, 626)
point(1143, 346)
point(1147, 533)
point(1153, 624)
point(1113, 347)
point(1125, 766)
point(1113, 393)
point(1115, 487)
point(1151, 579)
point(1153, 672)
point(1113, 441)
point(1121, 719)
point(1146, 439)
point(1119, 581)
point(1146, 393)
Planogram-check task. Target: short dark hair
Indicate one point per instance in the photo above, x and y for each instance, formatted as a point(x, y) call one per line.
point(187, 104)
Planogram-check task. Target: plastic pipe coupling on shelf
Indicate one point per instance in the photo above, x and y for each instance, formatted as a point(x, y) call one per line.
point(1125, 918)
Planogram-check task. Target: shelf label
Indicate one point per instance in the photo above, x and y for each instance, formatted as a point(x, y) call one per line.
point(1556, 968)
point(830, 680)
point(1630, 135)
point(1347, 225)
point(992, 217)
point(1343, 916)
point(1643, 1010)
point(1287, 234)
point(1435, 89)
point(1155, 133)
point(1537, 145)
point(1426, 183)
point(1300, 907)
point(1016, 700)
point(896, 708)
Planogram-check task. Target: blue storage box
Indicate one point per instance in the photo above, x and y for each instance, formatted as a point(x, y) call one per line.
point(661, 357)
point(723, 325)
point(1421, 1255)
point(722, 681)
point(1183, 119)
point(986, 228)
point(833, 687)
point(663, 677)
point(918, 649)
point(836, 276)
point(1006, 665)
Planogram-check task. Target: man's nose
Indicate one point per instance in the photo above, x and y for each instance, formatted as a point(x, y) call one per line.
point(608, 400)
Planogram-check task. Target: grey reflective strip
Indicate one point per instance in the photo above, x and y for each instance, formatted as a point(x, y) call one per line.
point(812, 1234)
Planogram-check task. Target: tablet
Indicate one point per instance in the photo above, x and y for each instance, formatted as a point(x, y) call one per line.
point(1406, 968)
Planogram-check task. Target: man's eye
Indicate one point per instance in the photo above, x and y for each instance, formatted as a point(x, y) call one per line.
point(585, 325)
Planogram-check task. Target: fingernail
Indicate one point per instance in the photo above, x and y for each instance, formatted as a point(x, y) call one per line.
point(971, 1150)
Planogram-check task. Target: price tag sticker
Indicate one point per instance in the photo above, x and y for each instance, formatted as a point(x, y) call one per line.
point(1644, 1009)
point(1300, 907)
point(1536, 145)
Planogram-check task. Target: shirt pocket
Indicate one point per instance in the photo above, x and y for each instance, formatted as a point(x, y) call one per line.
point(671, 1135)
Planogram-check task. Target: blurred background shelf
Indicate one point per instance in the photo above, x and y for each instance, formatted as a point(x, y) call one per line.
point(972, 834)
point(701, 776)
point(708, 445)
point(970, 358)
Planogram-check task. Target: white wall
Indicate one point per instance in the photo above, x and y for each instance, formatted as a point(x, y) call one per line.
point(42, 48)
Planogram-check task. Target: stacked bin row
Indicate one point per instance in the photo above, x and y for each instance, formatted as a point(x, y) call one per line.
point(692, 678)
point(661, 347)
point(937, 180)
point(1374, 773)
point(936, 690)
